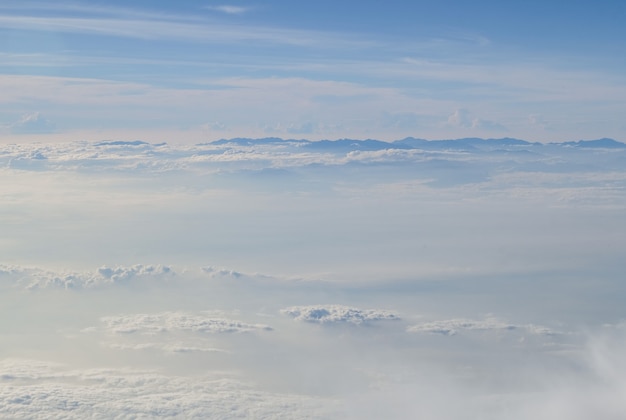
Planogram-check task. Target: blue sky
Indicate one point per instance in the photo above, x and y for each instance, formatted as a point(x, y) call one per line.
point(184, 278)
point(202, 70)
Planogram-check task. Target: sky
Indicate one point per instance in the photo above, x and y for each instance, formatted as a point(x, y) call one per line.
point(149, 269)
point(194, 71)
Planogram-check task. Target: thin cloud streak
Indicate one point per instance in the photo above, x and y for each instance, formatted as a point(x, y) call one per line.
point(108, 10)
point(231, 10)
point(204, 32)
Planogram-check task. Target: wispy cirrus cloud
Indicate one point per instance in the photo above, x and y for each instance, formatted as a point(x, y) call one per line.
point(229, 9)
point(204, 31)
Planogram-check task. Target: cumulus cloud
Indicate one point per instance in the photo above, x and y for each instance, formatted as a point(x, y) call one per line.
point(463, 118)
point(460, 118)
point(222, 272)
point(34, 278)
point(537, 120)
point(215, 126)
point(487, 125)
point(304, 128)
point(338, 314)
point(121, 274)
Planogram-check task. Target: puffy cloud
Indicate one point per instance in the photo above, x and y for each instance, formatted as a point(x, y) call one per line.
point(487, 125)
point(463, 118)
point(214, 126)
point(34, 278)
point(539, 121)
point(222, 272)
point(304, 128)
point(460, 118)
point(338, 314)
point(122, 274)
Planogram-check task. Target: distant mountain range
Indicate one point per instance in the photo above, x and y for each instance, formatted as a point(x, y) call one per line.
point(464, 144)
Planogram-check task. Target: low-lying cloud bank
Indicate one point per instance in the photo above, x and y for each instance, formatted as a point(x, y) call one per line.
point(40, 390)
point(338, 314)
point(177, 321)
point(592, 386)
point(455, 326)
point(225, 156)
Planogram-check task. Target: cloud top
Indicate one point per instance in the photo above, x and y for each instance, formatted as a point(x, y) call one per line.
point(36, 390)
point(34, 278)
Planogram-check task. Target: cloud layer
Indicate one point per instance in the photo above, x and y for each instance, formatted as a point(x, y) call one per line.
point(456, 326)
point(176, 321)
point(38, 390)
point(329, 279)
point(338, 314)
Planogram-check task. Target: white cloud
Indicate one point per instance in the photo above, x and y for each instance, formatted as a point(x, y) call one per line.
point(38, 390)
point(304, 128)
point(537, 120)
point(229, 9)
point(456, 326)
point(463, 118)
point(123, 274)
point(367, 219)
point(33, 123)
point(174, 347)
point(161, 27)
point(177, 321)
point(338, 314)
point(222, 272)
point(487, 125)
point(379, 112)
point(389, 156)
point(510, 86)
point(214, 126)
point(34, 278)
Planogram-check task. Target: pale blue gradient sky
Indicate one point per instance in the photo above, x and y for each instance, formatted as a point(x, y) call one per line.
point(202, 70)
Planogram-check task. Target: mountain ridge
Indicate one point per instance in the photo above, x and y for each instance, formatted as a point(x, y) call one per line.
point(462, 144)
